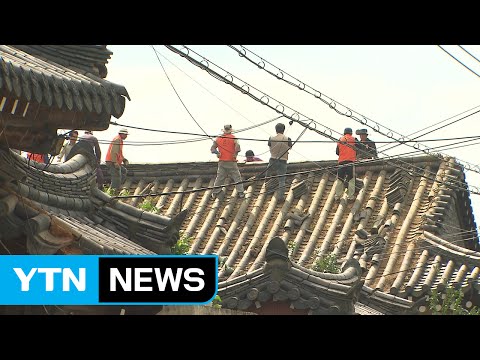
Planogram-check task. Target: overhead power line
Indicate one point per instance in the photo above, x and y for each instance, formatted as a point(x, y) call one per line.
point(469, 53)
point(438, 123)
point(458, 60)
point(440, 127)
point(229, 79)
point(333, 104)
point(474, 137)
point(176, 92)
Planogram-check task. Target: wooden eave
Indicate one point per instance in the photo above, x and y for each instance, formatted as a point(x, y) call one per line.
point(39, 96)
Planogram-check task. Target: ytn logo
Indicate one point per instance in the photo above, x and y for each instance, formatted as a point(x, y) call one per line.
point(107, 280)
point(68, 277)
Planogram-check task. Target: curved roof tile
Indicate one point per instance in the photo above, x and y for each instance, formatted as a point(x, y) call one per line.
point(396, 268)
point(66, 194)
point(24, 67)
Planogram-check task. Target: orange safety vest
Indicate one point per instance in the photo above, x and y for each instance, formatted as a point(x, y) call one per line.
point(346, 148)
point(36, 157)
point(119, 158)
point(226, 147)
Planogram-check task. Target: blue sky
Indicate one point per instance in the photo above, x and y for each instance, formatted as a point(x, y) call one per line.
point(400, 87)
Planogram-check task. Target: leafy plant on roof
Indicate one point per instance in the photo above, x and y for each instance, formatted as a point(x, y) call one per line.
point(327, 264)
point(222, 260)
point(124, 192)
point(217, 302)
point(182, 245)
point(108, 190)
point(147, 205)
point(449, 303)
point(291, 248)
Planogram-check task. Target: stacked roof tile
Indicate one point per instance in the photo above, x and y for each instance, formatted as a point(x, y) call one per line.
point(60, 77)
point(414, 215)
point(54, 208)
point(410, 229)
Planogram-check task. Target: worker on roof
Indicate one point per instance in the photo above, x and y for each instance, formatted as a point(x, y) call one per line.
point(115, 161)
point(347, 155)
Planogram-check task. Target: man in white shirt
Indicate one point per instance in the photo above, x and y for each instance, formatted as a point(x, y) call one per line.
point(279, 148)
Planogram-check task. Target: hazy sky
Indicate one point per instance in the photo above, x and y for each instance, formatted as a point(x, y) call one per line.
point(402, 88)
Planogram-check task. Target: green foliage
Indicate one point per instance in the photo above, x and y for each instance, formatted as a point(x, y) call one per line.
point(291, 248)
point(449, 303)
point(222, 260)
point(147, 205)
point(124, 192)
point(217, 302)
point(327, 264)
point(108, 190)
point(182, 246)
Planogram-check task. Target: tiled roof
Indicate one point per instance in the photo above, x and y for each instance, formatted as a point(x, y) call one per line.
point(402, 229)
point(362, 309)
point(45, 209)
point(67, 77)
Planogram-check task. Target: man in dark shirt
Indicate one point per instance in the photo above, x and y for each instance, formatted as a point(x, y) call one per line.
point(366, 148)
point(88, 143)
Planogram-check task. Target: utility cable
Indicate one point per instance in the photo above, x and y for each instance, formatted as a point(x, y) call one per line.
point(280, 108)
point(438, 128)
point(451, 117)
point(178, 95)
point(458, 60)
point(212, 138)
point(203, 87)
point(255, 125)
point(468, 52)
point(306, 172)
point(241, 88)
point(204, 137)
point(330, 102)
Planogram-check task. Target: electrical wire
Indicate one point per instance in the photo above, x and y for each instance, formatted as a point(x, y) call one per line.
point(458, 60)
point(438, 128)
point(329, 101)
point(438, 123)
point(211, 137)
point(210, 73)
point(306, 172)
point(191, 60)
point(246, 90)
point(203, 87)
point(468, 52)
point(205, 137)
point(176, 92)
point(218, 99)
point(197, 190)
point(216, 144)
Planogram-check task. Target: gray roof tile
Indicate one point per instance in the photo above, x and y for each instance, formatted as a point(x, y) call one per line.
point(240, 232)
